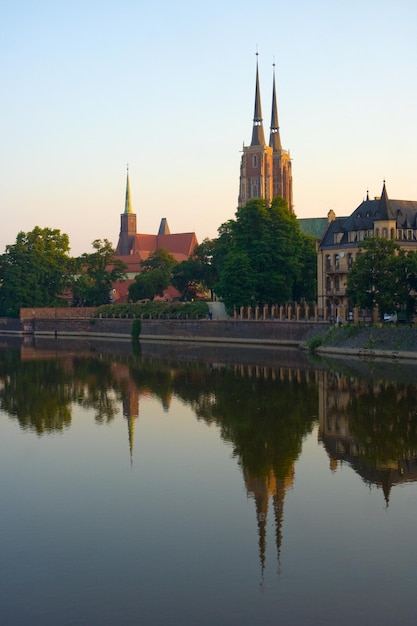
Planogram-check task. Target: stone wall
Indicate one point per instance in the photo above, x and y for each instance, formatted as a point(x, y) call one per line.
point(222, 331)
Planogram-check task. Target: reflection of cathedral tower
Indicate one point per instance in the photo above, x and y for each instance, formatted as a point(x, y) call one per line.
point(130, 416)
point(262, 489)
point(130, 401)
point(265, 170)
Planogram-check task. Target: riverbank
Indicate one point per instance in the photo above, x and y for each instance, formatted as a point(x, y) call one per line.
point(390, 341)
point(383, 341)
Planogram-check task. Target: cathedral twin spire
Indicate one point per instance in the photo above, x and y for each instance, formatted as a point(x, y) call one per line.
point(265, 170)
point(258, 137)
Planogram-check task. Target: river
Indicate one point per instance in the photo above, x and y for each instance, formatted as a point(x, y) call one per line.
point(160, 484)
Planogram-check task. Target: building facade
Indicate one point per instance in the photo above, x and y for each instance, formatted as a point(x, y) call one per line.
point(339, 246)
point(265, 169)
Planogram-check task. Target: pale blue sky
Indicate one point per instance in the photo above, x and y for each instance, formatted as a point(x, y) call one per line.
point(168, 87)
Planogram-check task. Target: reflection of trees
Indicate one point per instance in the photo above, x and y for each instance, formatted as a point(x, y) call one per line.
point(40, 392)
point(265, 419)
point(37, 393)
point(93, 384)
point(371, 423)
point(383, 420)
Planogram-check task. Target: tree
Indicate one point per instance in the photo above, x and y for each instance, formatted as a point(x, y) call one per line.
point(185, 278)
point(237, 284)
point(96, 274)
point(269, 238)
point(199, 272)
point(155, 277)
point(379, 276)
point(306, 281)
point(161, 259)
point(147, 285)
point(33, 271)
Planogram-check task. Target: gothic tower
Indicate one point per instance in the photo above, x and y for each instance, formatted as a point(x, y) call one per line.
point(127, 224)
point(265, 170)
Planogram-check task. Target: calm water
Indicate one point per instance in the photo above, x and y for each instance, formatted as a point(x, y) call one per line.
point(161, 485)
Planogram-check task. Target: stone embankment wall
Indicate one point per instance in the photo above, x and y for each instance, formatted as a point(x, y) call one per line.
point(257, 332)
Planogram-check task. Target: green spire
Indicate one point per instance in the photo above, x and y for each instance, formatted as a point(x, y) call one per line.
point(128, 203)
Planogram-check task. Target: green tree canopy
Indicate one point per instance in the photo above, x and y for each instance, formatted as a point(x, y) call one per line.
point(155, 277)
point(383, 275)
point(199, 272)
point(33, 271)
point(279, 260)
point(97, 271)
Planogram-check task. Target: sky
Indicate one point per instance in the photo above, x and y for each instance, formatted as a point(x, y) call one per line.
point(89, 86)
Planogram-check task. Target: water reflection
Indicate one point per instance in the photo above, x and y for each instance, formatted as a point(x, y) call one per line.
point(372, 425)
point(264, 409)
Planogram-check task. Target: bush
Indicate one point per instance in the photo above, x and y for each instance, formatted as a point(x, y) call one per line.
point(155, 310)
point(136, 328)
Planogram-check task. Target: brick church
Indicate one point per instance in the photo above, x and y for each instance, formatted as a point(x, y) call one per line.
point(134, 247)
point(265, 170)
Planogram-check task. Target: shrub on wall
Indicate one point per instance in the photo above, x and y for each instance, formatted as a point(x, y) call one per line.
point(136, 328)
point(155, 310)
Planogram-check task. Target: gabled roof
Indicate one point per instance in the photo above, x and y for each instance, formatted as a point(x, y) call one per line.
point(179, 245)
point(368, 214)
point(314, 226)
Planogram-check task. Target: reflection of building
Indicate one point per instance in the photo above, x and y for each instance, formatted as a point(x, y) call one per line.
point(381, 217)
point(131, 395)
point(262, 490)
point(366, 456)
point(265, 170)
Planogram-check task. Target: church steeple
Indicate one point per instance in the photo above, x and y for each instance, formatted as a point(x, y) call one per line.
point(274, 137)
point(127, 224)
point(128, 202)
point(258, 137)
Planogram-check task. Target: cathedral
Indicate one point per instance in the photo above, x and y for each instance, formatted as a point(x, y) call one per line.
point(265, 170)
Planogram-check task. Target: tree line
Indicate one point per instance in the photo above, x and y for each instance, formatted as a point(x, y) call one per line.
point(260, 257)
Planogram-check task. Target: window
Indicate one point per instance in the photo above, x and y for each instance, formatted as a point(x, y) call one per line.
point(255, 161)
point(328, 284)
point(400, 234)
point(392, 233)
point(336, 261)
point(350, 260)
point(384, 233)
point(328, 262)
